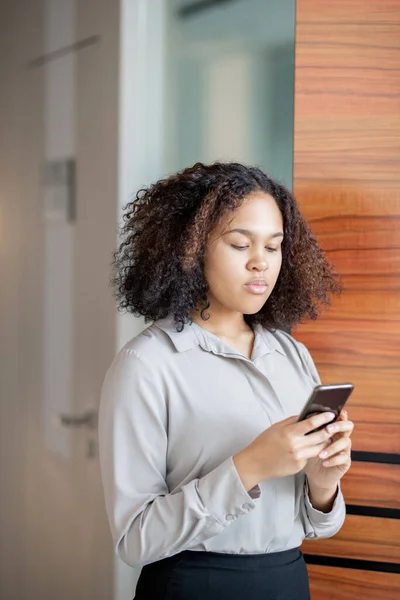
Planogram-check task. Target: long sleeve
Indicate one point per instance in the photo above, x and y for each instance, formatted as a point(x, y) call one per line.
point(147, 521)
point(317, 523)
point(323, 525)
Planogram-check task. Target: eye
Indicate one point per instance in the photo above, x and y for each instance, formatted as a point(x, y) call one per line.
point(272, 249)
point(239, 247)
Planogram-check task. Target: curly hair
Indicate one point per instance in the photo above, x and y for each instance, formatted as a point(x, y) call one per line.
point(158, 269)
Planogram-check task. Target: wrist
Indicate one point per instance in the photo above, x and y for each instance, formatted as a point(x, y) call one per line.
point(247, 468)
point(322, 499)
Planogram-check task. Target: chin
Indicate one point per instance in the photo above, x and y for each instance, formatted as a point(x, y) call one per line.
point(251, 308)
point(253, 311)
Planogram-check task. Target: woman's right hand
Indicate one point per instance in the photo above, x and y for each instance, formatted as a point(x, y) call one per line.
point(282, 449)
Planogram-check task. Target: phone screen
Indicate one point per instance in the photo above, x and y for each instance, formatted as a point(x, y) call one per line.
point(326, 398)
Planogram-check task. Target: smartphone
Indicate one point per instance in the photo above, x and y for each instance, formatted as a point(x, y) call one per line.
point(326, 398)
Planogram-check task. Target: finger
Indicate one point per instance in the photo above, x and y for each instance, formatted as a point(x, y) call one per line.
point(316, 450)
point(343, 444)
point(308, 425)
point(315, 439)
point(343, 427)
point(307, 452)
point(342, 458)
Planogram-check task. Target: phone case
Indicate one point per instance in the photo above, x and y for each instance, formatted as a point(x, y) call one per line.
point(326, 398)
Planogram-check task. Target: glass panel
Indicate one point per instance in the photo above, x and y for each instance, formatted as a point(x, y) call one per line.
point(230, 84)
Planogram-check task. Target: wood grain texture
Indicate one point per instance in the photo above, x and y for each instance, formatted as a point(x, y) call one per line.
point(365, 538)
point(331, 583)
point(368, 484)
point(347, 182)
point(337, 12)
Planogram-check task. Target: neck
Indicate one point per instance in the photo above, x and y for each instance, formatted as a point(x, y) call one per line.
point(222, 323)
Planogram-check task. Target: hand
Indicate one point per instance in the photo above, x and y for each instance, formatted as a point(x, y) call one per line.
point(325, 470)
point(282, 449)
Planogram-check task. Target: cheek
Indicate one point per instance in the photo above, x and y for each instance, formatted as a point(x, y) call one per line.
point(222, 267)
point(278, 265)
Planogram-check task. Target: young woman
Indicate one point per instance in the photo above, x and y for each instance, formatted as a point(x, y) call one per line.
point(210, 483)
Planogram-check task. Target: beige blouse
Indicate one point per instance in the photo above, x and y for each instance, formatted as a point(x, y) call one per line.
point(175, 408)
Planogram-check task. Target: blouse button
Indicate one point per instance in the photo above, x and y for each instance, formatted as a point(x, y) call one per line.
point(229, 517)
point(246, 506)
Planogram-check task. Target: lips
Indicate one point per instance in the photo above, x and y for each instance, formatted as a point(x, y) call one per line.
point(258, 286)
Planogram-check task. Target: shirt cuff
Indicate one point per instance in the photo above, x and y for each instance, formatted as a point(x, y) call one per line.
point(224, 495)
point(321, 521)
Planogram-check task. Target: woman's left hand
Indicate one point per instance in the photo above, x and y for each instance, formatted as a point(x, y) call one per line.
point(334, 460)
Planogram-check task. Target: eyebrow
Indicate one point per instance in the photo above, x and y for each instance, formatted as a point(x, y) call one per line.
point(251, 234)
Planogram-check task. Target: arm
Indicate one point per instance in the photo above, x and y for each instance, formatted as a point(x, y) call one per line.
point(147, 522)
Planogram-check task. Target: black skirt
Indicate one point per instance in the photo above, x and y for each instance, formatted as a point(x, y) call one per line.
point(193, 575)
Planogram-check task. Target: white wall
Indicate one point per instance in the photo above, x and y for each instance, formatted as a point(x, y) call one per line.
point(18, 40)
point(12, 418)
point(103, 105)
point(46, 544)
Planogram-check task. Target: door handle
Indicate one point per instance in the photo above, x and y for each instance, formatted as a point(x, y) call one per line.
point(87, 419)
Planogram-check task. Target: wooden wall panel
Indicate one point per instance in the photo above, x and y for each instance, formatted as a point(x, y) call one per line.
point(361, 538)
point(347, 182)
point(332, 583)
point(369, 484)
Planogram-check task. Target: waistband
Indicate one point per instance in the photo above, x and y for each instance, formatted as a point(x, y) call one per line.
point(271, 559)
point(225, 560)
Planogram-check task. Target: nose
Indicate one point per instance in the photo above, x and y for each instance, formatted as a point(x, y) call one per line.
point(258, 264)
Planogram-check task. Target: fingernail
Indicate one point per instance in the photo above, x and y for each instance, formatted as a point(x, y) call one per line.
point(331, 428)
point(326, 463)
point(329, 416)
point(323, 455)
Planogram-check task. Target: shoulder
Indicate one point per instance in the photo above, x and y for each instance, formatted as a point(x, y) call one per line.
point(134, 377)
point(144, 359)
point(151, 347)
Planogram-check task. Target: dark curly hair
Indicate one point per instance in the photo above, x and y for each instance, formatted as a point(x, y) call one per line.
point(158, 269)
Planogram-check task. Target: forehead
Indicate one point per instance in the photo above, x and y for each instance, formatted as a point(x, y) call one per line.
point(258, 212)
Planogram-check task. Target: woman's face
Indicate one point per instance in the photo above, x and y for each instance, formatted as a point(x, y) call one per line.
point(243, 256)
